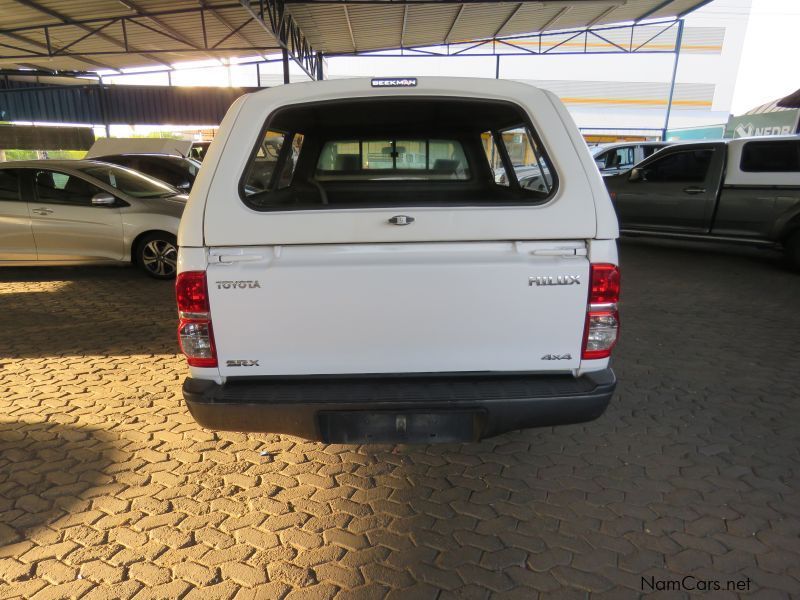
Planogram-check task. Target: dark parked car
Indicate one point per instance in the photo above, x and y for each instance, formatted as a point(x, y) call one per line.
point(198, 151)
point(744, 190)
point(616, 158)
point(609, 158)
point(177, 171)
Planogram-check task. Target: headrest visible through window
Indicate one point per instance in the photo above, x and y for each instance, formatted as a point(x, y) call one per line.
point(346, 162)
point(446, 165)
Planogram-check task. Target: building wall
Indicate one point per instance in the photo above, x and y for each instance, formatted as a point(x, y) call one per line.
point(622, 90)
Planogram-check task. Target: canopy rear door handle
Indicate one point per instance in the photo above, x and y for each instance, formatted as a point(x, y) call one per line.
point(235, 258)
point(694, 190)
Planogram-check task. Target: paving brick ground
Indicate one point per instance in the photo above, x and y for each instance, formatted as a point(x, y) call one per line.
point(109, 490)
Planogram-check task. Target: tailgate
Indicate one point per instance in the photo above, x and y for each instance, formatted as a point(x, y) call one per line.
point(398, 308)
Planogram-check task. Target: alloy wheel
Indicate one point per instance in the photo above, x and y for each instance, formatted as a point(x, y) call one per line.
point(160, 257)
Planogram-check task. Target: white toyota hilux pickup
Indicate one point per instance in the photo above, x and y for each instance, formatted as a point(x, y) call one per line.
point(350, 271)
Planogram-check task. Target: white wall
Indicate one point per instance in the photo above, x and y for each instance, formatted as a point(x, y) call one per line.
point(718, 69)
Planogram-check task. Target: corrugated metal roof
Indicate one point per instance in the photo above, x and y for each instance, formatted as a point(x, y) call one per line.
point(128, 104)
point(92, 35)
point(791, 101)
point(774, 106)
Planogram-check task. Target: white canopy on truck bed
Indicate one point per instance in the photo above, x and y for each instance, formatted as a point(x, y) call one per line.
point(109, 146)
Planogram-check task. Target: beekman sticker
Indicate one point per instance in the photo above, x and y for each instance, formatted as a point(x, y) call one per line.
point(395, 82)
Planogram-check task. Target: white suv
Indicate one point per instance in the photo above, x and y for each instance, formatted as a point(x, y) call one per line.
point(350, 271)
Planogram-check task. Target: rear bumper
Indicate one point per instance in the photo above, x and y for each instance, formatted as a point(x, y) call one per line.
point(398, 408)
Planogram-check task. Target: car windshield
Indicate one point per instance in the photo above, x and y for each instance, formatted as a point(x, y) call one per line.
point(130, 182)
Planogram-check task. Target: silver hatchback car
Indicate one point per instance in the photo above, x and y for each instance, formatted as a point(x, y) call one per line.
point(74, 212)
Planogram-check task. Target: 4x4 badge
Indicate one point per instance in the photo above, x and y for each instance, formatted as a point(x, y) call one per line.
point(557, 357)
point(242, 363)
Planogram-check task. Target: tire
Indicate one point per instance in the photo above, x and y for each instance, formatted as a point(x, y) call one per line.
point(791, 250)
point(157, 255)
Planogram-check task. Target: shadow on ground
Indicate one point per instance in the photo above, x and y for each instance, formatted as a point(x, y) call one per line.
point(85, 311)
point(44, 468)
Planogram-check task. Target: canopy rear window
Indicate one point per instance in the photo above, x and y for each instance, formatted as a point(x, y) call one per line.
point(771, 156)
point(392, 159)
point(392, 152)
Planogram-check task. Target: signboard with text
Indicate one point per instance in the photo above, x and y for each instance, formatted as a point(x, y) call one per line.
point(782, 122)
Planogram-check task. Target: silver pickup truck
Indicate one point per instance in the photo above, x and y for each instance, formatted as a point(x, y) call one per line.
point(745, 190)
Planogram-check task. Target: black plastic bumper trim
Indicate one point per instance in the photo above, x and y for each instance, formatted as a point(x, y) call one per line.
point(398, 407)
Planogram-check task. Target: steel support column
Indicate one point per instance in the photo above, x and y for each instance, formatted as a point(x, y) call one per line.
point(678, 41)
point(285, 54)
point(103, 108)
point(320, 73)
point(275, 19)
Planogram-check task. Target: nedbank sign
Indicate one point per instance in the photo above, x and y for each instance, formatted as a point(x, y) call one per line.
point(774, 123)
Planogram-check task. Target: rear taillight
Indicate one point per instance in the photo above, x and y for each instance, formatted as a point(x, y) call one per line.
point(195, 334)
point(602, 319)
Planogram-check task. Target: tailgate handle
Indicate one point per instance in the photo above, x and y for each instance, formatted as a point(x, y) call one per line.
point(401, 220)
point(234, 258)
point(560, 252)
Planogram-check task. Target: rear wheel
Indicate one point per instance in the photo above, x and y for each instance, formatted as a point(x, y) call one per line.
point(157, 255)
point(791, 249)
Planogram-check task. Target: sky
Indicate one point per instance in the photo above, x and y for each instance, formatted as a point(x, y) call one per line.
point(769, 67)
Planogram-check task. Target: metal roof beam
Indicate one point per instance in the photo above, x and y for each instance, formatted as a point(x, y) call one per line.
point(232, 33)
point(508, 20)
point(221, 18)
point(25, 40)
point(275, 20)
point(655, 9)
point(44, 72)
point(555, 18)
point(174, 33)
point(396, 2)
point(515, 43)
point(81, 56)
point(692, 9)
point(350, 27)
point(602, 15)
point(403, 30)
point(453, 24)
point(64, 19)
point(387, 3)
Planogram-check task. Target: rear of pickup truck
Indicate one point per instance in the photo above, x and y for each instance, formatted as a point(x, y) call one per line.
point(378, 285)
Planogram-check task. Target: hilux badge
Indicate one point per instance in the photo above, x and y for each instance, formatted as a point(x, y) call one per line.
point(557, 280)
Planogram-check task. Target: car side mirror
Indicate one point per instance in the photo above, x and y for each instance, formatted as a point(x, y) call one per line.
point(636, 175)
point(103, 199)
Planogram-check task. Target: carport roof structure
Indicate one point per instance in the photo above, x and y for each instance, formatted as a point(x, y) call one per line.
point(97, 35)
